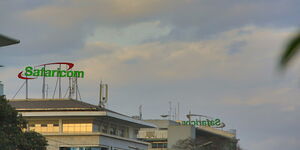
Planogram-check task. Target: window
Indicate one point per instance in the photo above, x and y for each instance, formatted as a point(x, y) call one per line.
point(77, 127)
point(104, 128)
point(160, 145)
point(45, 127)
point(122, 132)
point(113, 131)
point(70, 126)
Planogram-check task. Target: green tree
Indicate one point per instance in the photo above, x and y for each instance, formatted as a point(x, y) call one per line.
point(192, 144)
point(206, 143)
point(32, 141)
point(290, 51)
point(11, 135)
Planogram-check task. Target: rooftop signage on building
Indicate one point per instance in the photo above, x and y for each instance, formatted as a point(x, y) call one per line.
point(215, 123)
point(32, 72)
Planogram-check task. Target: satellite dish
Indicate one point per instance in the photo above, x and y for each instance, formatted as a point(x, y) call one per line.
point(164, 116)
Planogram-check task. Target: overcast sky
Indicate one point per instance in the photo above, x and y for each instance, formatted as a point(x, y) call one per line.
point(215, 57)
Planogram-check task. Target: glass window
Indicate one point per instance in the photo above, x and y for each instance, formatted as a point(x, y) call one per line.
point(113, 131)
point(154, 145)
point(104, 128)
point(43, 126)
point(77, 126)
point(122, 132)
point(159, 145)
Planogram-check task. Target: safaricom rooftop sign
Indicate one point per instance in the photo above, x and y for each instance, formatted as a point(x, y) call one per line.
point(32, 72)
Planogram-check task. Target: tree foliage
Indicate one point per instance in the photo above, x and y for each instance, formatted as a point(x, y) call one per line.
point(206, 143)
point(191, 144)
point(11, 135)
point(290, 51)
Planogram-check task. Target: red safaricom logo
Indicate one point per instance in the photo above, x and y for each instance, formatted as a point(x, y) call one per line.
point(40, 70)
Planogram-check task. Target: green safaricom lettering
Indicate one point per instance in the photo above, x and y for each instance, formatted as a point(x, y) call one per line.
point(79, 74)
point(61, 73)
point(203, 123)
point(217, 122)
point(193, 122)
point(36, 72)
point(210, 122)
point(28, 71)
point(47, 73)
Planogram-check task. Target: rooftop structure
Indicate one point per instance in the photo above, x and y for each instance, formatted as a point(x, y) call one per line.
point(70, 124)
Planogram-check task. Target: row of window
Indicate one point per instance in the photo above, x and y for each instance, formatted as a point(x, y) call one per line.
point(78, 127)
point(112, 129)
point(159, 145)
point(72, 126)
point(44, 128)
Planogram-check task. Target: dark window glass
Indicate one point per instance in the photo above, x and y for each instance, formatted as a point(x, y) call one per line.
point(165, 145)
point(154, 145)
point(160, 145)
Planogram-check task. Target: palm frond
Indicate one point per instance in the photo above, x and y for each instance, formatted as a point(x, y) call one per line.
point(290, 51)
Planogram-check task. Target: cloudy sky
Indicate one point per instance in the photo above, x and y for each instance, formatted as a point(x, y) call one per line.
point(217, 58)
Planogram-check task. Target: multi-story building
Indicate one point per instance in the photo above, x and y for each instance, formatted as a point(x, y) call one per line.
point(70, 124)
point(169, 132)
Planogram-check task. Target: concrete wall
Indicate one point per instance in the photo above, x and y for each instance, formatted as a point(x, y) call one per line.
point(176, 133)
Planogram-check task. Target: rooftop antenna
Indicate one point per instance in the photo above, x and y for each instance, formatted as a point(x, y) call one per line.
point(175, 113)
point(103, 95)
point(70, 88)
point(26, 89)
point(178, 115)
point(140, 111)
point(170, 110)
point(43, 88)
point(47, 90)
point(59, 85)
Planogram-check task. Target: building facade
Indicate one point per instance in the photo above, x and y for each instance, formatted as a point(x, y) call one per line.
point(75, 125)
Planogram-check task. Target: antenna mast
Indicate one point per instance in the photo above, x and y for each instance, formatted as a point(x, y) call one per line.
point(140, 111)
point(103, 98)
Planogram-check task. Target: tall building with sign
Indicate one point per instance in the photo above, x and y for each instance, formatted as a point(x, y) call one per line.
point(169, 132)
point(70, 124)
